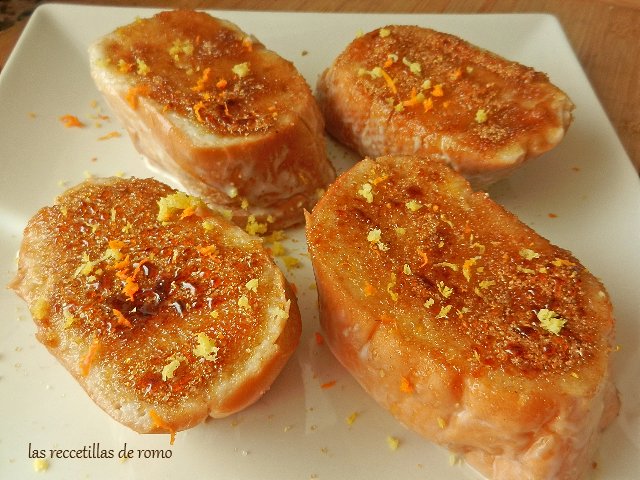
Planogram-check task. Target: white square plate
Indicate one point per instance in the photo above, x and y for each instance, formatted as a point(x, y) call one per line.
point(584, 196)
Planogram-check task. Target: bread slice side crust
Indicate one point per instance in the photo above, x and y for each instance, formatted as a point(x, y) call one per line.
point(412, 90)
point(423, 298)
point(271, 172)
point(162, 322)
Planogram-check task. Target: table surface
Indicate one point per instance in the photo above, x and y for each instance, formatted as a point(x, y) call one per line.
point(603, 33)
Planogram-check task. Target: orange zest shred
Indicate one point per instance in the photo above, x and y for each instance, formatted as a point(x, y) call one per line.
point(437, 91)
point(329, 384)
point(87, 361)
point(70, 121)
point(158, 422)
point(390, 82)
point(389, 61)
point(116, 244)
point(423, 255)
point(133, 93)
point(196, 109)
point(130, 287)
point(136, 271)
point(121, 319)
point(210, 251)
point(379, 179)
point(113, 134)
point(413, 99)
point(188, 212)
point(201, 83)
point(405, 385)
point(122, 264)
point(368, 289)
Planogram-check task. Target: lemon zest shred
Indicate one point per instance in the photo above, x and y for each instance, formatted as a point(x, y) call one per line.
point(173, 203)
point(253, 227)
point(414, 67)
point(366, 191)
point(481, 116)
point(143, 69)
point(252, 285)
point(466, 267)
point(550, 320)
point(560, 262)
point(241, 69)
point(444, 290)
point(169, 369)
point(243, 302)
point(351, 418)
point(290, 262)
point(444, 311)
point(449, 265)
point(390, 286)
point(393, 442)
point(413, 205)
point(206, 347)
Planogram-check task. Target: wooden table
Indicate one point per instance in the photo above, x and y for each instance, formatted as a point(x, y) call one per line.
point(604, 34)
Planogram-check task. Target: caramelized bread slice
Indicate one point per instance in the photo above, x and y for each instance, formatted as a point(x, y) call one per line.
point(209, 105)
point(412, 90)
point(468, 326)
point(164, 312)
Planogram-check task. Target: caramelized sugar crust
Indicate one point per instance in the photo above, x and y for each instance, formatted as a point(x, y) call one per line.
point(461, 80)
point(411, 90)
point(206, 70)
point(164, 306)
point(457, 275)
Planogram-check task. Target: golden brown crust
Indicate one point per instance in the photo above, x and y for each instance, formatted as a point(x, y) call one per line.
point(185, 61)
point(462, 321)
point(163, 311)
point(208, 104)
point(412, 90)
